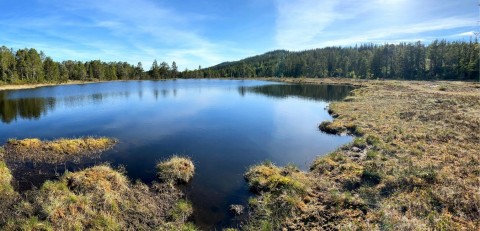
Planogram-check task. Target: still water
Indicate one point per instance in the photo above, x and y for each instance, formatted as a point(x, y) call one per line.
point(225, 126)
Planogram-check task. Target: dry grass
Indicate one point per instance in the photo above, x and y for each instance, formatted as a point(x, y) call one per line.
point(267, 177)
point(55, 151)
point(97, 198)
point(7, 194)
point(283, 194)
point(100, 198)
point(5, 180)
point(176, 169)
point(414, 166)
point(29, 86)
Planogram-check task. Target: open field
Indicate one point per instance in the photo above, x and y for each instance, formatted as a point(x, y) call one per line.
point(414, 165)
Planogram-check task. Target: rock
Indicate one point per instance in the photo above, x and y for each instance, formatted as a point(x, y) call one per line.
point(237, 209)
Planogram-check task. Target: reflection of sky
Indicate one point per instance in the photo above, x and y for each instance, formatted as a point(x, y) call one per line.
point(299, 119)
point(223, 130)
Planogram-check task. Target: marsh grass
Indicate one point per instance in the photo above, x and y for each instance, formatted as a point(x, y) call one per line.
point(7, 193)
point(100, 198)
point(414, 164)
point(282, 192)
point(176, 169)
point(55, 151)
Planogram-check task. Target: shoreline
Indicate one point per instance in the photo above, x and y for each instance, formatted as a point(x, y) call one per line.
point(7, 87)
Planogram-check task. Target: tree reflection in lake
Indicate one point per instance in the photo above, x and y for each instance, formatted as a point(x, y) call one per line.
point(314, 92)
point(25, 108)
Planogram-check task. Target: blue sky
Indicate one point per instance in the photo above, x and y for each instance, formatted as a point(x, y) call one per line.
point(200, 32)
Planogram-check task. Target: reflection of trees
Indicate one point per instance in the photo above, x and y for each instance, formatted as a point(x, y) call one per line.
point(28, 108)
point(315, 92)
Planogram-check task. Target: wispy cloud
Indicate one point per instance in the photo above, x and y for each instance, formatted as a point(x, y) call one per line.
point(306, 24)
point(111, 30)
point(193, 32)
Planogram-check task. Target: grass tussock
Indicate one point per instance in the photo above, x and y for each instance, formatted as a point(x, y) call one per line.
point(413, 166)
point(55, 151)
point(5, 180)
point(176, 169)
point(7, 193)
point(283, 193)
point(100, 198)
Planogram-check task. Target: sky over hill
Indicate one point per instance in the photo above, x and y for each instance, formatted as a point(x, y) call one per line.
point(200, 32)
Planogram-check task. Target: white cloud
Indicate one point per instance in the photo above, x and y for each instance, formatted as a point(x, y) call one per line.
point(121, 30)
point(307, 24)
point(465, 34)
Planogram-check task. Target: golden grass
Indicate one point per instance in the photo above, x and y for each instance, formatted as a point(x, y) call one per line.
point(5, 180)
point(176, 169)
point(283, 192)
point(56, 151)
point(268, 177)
point(7, 193)
point(415, 165)
point(100, 198)
point(29, 86)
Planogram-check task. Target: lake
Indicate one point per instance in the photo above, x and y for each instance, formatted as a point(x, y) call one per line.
point(225, 126)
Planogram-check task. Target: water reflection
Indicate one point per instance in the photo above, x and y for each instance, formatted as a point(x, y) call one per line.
point(315, 92)
point(25, 108)
point(225, 126)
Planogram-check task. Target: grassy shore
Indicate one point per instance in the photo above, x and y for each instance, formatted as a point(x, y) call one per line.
point(96, 198)
point(414, 164)
point(55, 151)
point(35, 85)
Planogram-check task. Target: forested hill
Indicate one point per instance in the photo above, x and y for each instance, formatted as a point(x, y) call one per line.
point(438, 60)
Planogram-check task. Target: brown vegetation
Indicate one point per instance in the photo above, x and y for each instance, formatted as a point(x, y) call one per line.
point(99, 198)
point(55, 151)
point(30, 86)
point(176, 169)
point(415, 164)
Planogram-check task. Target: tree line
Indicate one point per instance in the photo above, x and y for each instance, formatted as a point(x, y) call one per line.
point(31, 66)
point(439, 60)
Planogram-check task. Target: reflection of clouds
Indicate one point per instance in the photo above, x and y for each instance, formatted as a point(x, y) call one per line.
point(296, 138)
point(162, 116)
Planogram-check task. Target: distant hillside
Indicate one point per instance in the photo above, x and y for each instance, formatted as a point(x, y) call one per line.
point(456, 60)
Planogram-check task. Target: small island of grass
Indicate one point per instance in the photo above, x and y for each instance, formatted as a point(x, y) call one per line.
point(176, 169)
point(56, 151)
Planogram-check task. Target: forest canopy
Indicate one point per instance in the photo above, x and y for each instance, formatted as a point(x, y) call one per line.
point(439, 60)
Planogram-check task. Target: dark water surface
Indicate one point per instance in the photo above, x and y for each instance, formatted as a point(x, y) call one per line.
point(225, 126)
